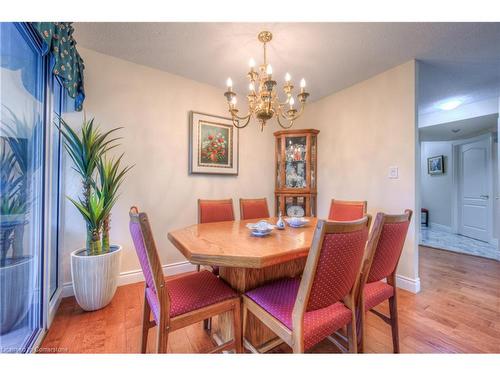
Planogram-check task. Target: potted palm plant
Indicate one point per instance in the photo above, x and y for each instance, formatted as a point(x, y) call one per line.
point(16, 173)
point(95, 268)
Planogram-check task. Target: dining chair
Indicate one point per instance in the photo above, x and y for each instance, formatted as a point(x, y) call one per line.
point(346, 210)
point(383, 251)
point(214, 210)
point(211, 211)
point(304, 311)
point(182, 301)
point(253, 208)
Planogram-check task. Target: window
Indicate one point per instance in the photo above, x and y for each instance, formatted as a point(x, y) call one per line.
point(22, 88)
point(30, 158)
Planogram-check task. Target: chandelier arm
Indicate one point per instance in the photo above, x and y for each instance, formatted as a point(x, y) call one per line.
point(240, 117)
point(299, 113)
point(241, 126)
point(281, 113)
point(296, 116)
point(278, 100)
point(282, 104)
point(283, 126)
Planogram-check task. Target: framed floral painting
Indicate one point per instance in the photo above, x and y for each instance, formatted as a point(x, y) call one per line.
point(213, 145)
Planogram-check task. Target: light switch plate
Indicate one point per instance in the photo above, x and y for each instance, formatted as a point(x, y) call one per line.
point(393, 172)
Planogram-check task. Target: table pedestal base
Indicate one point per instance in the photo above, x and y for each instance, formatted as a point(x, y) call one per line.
point(244, 279)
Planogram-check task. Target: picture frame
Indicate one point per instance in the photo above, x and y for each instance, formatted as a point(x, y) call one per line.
point(213, 145)
point(435, 165)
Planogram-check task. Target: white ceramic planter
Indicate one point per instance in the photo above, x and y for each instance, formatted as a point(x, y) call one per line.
point(95, 277)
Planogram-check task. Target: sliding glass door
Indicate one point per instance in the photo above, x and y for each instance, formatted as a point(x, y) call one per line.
point(22, 119)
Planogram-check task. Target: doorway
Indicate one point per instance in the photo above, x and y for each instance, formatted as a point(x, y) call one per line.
point(458, 197)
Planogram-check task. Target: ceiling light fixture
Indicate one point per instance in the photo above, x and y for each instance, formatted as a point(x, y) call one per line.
point(449, 104)
point(263, 100)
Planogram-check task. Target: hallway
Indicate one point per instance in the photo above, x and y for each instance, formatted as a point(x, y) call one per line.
point(457, 243)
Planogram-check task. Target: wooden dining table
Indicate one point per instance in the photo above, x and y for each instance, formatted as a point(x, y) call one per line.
point(246, 262)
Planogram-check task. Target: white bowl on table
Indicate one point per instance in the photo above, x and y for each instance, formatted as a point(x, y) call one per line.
point(296, 222)
point(260, 229)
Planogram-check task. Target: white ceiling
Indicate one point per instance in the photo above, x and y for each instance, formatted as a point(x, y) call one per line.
point(459, 59)
point(459, 129)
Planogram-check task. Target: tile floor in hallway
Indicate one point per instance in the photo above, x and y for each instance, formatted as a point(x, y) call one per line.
point(457, 243)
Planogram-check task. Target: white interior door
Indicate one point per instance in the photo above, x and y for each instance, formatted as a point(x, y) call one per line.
point(474, 189)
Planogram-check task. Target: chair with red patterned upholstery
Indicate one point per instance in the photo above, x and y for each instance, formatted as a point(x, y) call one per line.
point(253, 209)
point(383, 251)
point(212, 211)
point(180, 302)
point(304, 311)
point(347, 210)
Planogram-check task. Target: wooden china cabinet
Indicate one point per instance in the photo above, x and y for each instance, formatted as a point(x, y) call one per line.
point(296, 172)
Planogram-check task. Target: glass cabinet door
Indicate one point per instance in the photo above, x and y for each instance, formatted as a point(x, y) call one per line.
point(295, 206)
point(295, 162)
point(278, 163)
point(296, 172)
point(313, 161)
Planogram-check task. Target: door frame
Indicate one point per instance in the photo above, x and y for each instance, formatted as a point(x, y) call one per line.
point(455, 212)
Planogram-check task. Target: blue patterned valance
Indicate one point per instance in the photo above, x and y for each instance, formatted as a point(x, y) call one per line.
point(58, 38)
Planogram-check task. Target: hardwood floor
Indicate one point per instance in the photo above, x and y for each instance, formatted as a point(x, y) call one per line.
point(457, 311)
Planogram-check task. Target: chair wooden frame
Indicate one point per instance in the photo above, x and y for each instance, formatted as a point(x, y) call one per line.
point(167, 324)
point(295, 337)
point(247, 200)
point(348, 203)
point(380, 220)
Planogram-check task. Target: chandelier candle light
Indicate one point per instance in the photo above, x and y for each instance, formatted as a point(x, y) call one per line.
point(263, 100)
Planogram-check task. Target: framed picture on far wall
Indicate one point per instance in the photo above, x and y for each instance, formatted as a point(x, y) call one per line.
point(435, 165)
point(213, 145)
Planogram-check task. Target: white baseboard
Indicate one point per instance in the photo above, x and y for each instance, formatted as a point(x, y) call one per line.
point(494, 242)
point(440, 227)
point(411, 285)
point(130, 277)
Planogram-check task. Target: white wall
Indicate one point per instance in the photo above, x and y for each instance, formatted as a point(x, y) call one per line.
point(436, 190)
point(153, 107)
point(496, 230)
point(364, 130)
point(496, 189)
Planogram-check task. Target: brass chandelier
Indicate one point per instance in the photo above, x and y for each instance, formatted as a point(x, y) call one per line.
point(263, 99)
